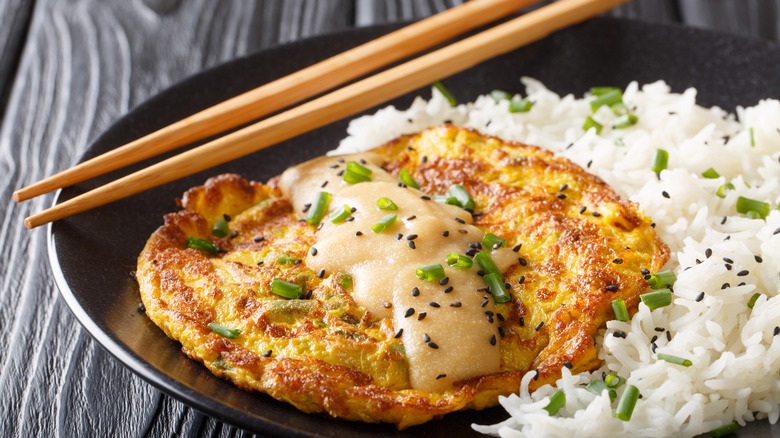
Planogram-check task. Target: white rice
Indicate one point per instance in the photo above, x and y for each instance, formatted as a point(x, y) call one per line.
point(736, 366)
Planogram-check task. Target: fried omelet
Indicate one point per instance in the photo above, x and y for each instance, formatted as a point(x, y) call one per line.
point(375, 339)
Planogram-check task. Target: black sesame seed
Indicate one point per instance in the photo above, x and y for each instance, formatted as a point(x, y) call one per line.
point(349, 219)
point(260, 263)
point(776, 231)
point(644, 271)
point(268, 353)
point(424, 159)
point(655, 338)
point(698, 262)
point(415, 292)
point(441, 376)
point(501, 332)
point(425, 197)
point(411, 218)
point(445, 233)
point(433, 345)
point(493, 340)
point(358, 233)
point(619, 334)
point(426, 338)
point(340, 172)
point(480, 272)
point(776, 331)
point(484, 303)
point(313, 251)
point(298, 262)
point(589, 163)
point(539, 326)
point(444, 280)
point(469, 209)
point(472, 252)
point(259, 238)
point(399, 333)
point(563, 187)
point(448, 289)
point(362, 161)
point(308, 294)
point(660, 329)
point(758, 259)
point(724, 286)
point(561, 196)
point(728, 266)
point(700, 297)
point(402, 185)
point(306, 207)
point(648, 276)
point(434, 304)
point(522, 261)
point(521, 321)
point(334, 166)
point(743, 273)
point(617, 261)
point(500, 317)
point(516, 248)
point(421, 316)
point(521, 279)
point(409, 312)
point(723, 221)
point(411, 244)
point(324, 184)
point(459, 220)
point(141, 308)
point(728, 260)
point(411, 237)
point(568, 364)
point(741, 283)
point(536, 376)
point(612, 287)
point(489, 313)
point(708, 252)
point(507, 286)
point(399, 236)
point(665, 194)
point(321, 274)
point(596, 214)
point(653, 347)
point(456, 304)
point(582, 209)
point(464, 231)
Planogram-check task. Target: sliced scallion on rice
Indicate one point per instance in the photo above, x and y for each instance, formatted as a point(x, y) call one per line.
point(605, 96)
point(662, 279)
point(499, 95)
point(285, 289)
point(597, 387)
point(614, 381)
point(590, 123)
point(625, 121)
point(557, 400)
point(752, 138)
point(660, 161)
point(721, 193)
point(674, 359)
point(445, 92)
point(627, 403)
point(753, 299)
point(656, 299)
point(710, 173)
point(520, 106)
point(619, 308)
point(726, 429)
point(747, 205)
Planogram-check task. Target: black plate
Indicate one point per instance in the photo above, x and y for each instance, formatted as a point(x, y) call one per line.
point(93, 254)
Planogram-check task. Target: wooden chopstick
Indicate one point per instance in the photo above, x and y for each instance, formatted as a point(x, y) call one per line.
point(340, 103)
point(286, 91)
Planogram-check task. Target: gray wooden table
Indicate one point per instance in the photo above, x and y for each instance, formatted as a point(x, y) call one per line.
point(68, 69)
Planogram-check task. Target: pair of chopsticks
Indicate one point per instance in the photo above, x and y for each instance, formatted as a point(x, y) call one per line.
point(308, 82)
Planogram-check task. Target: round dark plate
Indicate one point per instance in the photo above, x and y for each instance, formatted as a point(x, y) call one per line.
point(93, 254)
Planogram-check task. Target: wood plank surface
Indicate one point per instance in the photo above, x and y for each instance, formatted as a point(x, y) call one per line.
point(68, 69)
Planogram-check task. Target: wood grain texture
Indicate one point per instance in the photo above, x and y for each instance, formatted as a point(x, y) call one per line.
point(83, 64)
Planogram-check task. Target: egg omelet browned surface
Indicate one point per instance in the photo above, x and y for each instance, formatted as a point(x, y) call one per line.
point(578, 247)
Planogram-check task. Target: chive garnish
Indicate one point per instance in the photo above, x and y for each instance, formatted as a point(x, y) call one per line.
point(203, 245)
point(710, 173)
point(285, 289)
point(557, 400)
point(597, 387)
point(384, 223)
point(590, 123)
point(674, 359)
point(224, 331)
point(614, 381)
point(430, 272)
point(656, 299)
point(487, 264)
point(495, 282)
point(318, 208)
point(462, 196)
point(520, 106)
point(661, 160)
point(619, 307)
point(721, 193)
point(491, 240)
point(605, 96)
point(625, 121)
point(459, 261)
point(220, 228)
point(407, 179)
point(444, 199)
point(356, 173)
point(726, 429)
point(747, 205)
point(752, 138)
point(753, 300)
point(661, 279)
point(339, 214)
point(386, 204)
point(627, 402)
point(445, 92)
point(499, 95)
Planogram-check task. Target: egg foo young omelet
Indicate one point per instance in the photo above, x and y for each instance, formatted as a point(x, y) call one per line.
point(340, 288)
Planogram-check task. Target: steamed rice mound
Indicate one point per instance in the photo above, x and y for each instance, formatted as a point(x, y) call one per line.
point(721, 258)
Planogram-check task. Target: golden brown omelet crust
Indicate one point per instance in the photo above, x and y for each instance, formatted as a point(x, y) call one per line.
point(580, 247)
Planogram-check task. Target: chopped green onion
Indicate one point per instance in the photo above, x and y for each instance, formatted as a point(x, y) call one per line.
point(627, 402)
point(386, 204)
point(722, 189)
point(656, 299)
point(752, 138)
point(726, 429)
point(491, 240)
point(499, 95)
point(710, 173)
point(464, 199)
point(607, 96)
point(497, 288)
point(285, 289)
point(625, 121)
point(619, 109)
point(619, 307)
point(487, 264)
point(590, 123)
point(384, 223)
point(318, 208)
point(339, 214)
point(674, 359)
point(356, 173)
point(286, 259)
point(224, 331)
point(557, 400)
point(661, 160)
point(753, 299)
point(445, 92)
point(520, 106)
point(203, 245)
point(220, 228)
point(753, 215)
point(662, 279)
point(444, 199)
point(614, 381)
point(345, 281)
point(459, 261)
point(430, 272)
point(356, 167)
point(746, 205)
point(407, 179)
point(597, 387)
